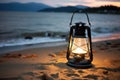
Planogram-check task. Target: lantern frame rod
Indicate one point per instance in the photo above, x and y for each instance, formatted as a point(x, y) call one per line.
point(78, 11)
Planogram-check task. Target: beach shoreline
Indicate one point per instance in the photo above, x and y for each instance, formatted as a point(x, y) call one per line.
point(8, 49)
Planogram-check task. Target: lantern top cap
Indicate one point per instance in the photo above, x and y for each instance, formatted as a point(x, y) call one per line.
point(80, 24)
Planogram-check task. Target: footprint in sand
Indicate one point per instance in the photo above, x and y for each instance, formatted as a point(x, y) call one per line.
point(37, 75)
point(80, 71)
point(74, 75)
point(56, 75)
point(91, 76)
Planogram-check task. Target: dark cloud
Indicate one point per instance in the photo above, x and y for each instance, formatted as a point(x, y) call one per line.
point(110, 0)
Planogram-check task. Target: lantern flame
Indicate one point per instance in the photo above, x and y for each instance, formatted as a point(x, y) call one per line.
point(79, 51)
point(79, 46)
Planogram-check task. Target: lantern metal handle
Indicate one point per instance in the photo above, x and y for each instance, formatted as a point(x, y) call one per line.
point(79, 12)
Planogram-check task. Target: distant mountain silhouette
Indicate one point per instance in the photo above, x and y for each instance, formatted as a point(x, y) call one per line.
point(40, 7)
point(15, 6)
point(107, 9)
point(63, 9)
point(81, 6)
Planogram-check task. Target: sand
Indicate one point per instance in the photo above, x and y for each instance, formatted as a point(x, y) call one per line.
point(49, 63)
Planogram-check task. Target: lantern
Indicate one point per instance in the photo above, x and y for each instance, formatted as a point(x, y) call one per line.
point(79, 52)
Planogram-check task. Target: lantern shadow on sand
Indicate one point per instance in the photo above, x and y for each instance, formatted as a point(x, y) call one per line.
point(79, 52)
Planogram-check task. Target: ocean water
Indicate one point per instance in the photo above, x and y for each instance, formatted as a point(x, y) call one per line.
point(46, 27)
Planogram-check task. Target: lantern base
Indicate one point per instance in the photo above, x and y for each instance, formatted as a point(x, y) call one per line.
point(80, 64)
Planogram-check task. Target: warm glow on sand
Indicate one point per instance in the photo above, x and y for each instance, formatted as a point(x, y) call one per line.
point(50, 63)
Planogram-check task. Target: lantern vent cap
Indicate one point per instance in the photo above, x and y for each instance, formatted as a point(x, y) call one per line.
point(80, 24)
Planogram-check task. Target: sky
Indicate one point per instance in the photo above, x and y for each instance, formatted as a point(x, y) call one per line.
point(56, 3)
